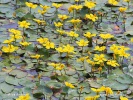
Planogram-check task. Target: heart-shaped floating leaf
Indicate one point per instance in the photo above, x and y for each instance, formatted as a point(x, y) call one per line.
point(11, 80)
point(65, 90)
point(18, 73)
point(2, 79)
point(94, 84)
point(47, 91)
point(63, 78)
point(27, 83)
point(26, 90)
point(6, 88)
point(126, 79)
point(70, 72)
point(55, 85)
point(118, 86)
point(73, 92)
point(5, 1)
point(37, 94)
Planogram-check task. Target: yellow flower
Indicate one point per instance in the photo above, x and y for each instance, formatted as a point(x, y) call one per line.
point(124, 48)
point(108, 91)
point(61, 32)
point(53, 64)
point(112, 63)
point(24, 24)
point(31, 5)
point(82, 59)
point(37, 56)
point(58, 24)
point(76, 7)
point(122, 9)
point(72, 34)
point(42, 12)
point(39, 21)
point(59, 66)
point(56, 5)
point(44, 7)
point(49, 45)
point(82, 43)
point(89, 35)
point(90, 62)
point(96, 90)
point(9, 49)
point(68, 48)
point(15, 32)
point(62, 17)
point(91, 17)
point(102, 88)
point(102, 48)
point(8, 41)
point(71, 8)
point(24, 97)
point(113, 2)
point(122, 53)
point(92, 97)
point(13, 36)
point(99, 58)
point(90, 4)
point(42, 40)
point(75, 21)
point(123, 98)
point(25, 43)
point(59, 49)
point(106, 36)
point(114, 47)
point(69, 85)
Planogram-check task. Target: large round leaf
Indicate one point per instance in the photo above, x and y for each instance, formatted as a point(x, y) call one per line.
point(47, 91)
point(11, 80)
point(6, 88)
point(118, 86)
point(55, 85)
point(125, 79)
point(18, 73)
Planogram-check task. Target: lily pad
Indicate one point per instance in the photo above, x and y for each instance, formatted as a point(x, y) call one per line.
point(6, 88)
point(125, 79)
point(18, 73)
point(118, 86)
point(11, 80)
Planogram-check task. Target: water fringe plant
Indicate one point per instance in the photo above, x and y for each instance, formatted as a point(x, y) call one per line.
point(72, 48)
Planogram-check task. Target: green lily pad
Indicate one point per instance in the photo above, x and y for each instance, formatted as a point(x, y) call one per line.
point(70, 72)
point(18, 73)
point(118, 86)
point(5, 1)
point(55, 85)
point(125, 79)
point(94, 84)
point(63, 78)
point(6, 88)
point(2, 79)
point(47, 91)
point(11, 80)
